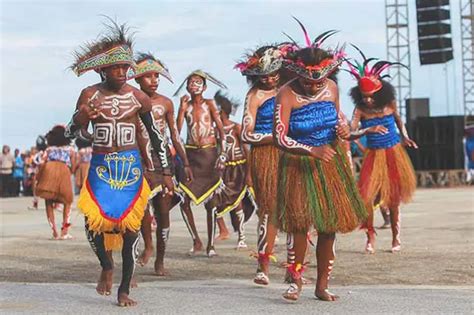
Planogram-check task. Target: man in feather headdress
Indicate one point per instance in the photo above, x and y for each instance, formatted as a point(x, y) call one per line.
point(147, 74)
point(115, 193)
point(202, 118)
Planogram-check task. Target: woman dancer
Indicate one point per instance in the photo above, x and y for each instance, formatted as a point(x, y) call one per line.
point(315, 186)
point(386, 175)
point(262, 69)
point(54, 179)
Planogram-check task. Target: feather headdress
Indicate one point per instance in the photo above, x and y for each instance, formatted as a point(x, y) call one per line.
point(369, 76)
point(147, 63)
point(112, 48)
point(313, 72)
point(223, 101)
point(263, 61)
point(205, 75)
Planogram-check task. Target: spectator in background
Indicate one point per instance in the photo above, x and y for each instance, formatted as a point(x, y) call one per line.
point(18, 172)
point(469, 150)
point(7, 163)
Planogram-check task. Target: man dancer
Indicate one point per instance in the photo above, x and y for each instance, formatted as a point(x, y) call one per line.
point(201, 117)
point(115, 194)
point(147, 75)
point(236, 197)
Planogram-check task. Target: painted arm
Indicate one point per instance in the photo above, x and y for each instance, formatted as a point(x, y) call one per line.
point(248, 123)
point(281, 127)
point(406, 141)
point(357, 133)
point(175, 139)
point(156, 137)
point(85, 111)
point(183, 105)
point(219, 126)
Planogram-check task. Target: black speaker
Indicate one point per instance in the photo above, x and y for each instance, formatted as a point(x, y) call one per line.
point(440, 143)
point(433, 57)
point(417, 107)
point(434, 31)
point(435, 43)
point(421, 4)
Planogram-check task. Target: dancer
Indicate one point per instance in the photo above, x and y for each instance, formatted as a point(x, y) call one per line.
point(386, 175)
point(236, 197)
point(262, 69)
point(316, 186)
point(147, 74)
point(54, 179)
point(202, 118)
point(115, 194)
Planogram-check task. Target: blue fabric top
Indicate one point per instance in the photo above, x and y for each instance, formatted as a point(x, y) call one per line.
point(314, 124)
point(380, 141)
point(264, 118)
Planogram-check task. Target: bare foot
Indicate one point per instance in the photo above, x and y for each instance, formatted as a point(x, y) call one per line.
point(159, 268)
point(292, 293)
point(124, 301)
point(222, 236)
point(197, 247)
point(133, 283)
point(325, 295)
point(104, 285)
point(145, 256)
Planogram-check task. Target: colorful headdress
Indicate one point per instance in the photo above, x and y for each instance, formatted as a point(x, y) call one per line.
point(147, 63)
point(312, 72)
point(204, 75)
point(112, 48)
point(262, 61)
point(369, 77)
point(223, 100)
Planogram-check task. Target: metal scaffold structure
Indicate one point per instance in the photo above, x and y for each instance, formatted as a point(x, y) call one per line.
point(467, 47)
point(398, 48)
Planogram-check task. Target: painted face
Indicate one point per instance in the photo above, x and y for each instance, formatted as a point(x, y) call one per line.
point(116, 75)
point(271, 80)
point(369, 100)
point(311, 87)
point(196, 85)
point(149, 82)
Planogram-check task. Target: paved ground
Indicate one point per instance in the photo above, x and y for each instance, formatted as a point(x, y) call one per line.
point(433, 273)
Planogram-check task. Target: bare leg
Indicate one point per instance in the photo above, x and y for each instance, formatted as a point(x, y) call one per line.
point(66, 222)
point(129, 257)
point(395, 224)
point(162, 216)
point(223, 231)
point(370, 231)
point(325, 255)
point(295, 269)
point(238, 218)
point(96, 241)
point(265, 243)
point(189, 220)
point(147, 238)
point(50, 217)
point(211, 231)
point(386, 217)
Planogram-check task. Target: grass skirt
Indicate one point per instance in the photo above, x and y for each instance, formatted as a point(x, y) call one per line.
point(312, 192)
point(387, 174)
point(264, 170)
point(54, 182)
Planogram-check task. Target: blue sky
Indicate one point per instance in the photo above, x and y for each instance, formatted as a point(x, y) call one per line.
point(38, 37)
